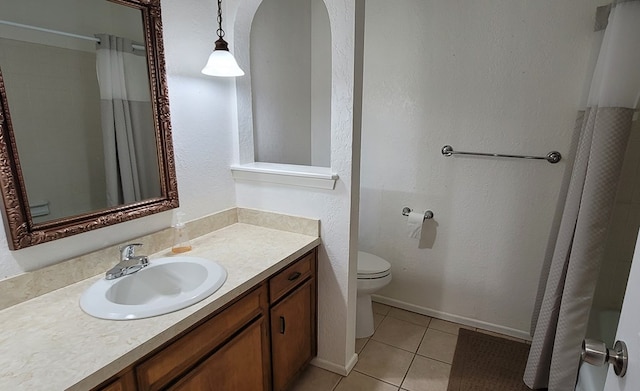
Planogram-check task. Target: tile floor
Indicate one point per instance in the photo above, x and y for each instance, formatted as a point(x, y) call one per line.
point(408, 351)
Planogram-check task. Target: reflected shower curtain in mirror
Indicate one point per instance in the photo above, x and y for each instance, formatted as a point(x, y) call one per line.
point(127, 122)
point(570, 272)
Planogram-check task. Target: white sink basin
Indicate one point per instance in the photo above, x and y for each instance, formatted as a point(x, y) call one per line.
point(166, 285)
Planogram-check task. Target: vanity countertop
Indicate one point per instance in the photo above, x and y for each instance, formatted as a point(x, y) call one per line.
point(49, 343)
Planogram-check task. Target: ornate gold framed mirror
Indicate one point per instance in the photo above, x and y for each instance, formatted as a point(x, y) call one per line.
point(85, 131)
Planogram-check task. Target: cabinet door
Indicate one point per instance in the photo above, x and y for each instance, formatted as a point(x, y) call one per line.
point(292, 335)
point(240, 365)
point(174, 360)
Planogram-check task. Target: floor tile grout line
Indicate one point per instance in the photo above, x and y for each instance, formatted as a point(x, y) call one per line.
point(364, 346)
point(369, 339)
point(433, 359)
point(413, 357)
point(422, 339)
point(413, 323)
point(391, 308)
point(380, 380)
point(408, 368)
point(412, 353)
point(397, 347)
point(338, 383)
point(415, 354)
point(409, 322)
point(431, 318)
point(446, 332)
point(393, 346)
point(419, 344)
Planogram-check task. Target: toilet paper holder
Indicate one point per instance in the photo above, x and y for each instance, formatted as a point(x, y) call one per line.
point(427, 214)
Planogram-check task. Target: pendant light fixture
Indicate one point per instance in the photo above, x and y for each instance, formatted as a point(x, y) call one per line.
point(221, 61)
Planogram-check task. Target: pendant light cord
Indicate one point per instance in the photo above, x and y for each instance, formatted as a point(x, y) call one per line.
point(220, 31)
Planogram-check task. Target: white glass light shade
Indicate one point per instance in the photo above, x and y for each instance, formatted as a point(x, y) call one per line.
point(222, 63)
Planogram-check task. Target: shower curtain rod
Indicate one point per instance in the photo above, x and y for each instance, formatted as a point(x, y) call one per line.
point(63, 33)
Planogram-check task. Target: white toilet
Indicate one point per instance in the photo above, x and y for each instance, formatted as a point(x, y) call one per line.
point(373, 274)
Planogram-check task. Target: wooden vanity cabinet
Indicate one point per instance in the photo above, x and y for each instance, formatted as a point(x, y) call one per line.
point(261, 341)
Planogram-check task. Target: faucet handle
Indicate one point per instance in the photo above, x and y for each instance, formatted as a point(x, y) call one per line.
point(128, 251)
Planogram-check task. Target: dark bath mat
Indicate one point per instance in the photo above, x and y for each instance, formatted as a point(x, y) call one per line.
point(483, 362)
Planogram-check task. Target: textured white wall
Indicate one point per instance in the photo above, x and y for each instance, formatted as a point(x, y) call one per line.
point(204, 122)
point(487, 76)
point(281, 74)
point(291, 82)
point(336, 296)
point(320, 85)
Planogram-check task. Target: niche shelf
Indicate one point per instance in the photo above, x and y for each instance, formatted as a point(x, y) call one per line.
point(286, 174)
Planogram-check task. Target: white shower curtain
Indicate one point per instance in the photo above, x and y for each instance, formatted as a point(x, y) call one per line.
point(569, 276)
point(131, 162)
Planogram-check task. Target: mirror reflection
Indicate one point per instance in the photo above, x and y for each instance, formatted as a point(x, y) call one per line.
point(291, 82)
point(77, 83)
point(85, 130)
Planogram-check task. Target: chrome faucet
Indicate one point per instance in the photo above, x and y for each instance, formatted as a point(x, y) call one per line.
point(129, 262)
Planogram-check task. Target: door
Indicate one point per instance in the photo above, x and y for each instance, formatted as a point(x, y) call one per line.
point(629, 331)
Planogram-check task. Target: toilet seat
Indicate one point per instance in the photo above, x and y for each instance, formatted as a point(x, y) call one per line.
point(372, 267)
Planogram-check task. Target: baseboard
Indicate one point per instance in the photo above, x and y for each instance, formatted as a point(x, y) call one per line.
point(453, 318)
point(352, 363)
point(335, 368)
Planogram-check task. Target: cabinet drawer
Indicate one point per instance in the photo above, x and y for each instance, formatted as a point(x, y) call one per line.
point(291, 276)
point(182, 354)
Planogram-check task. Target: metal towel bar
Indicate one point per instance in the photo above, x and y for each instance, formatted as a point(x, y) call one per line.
point(552, 157)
